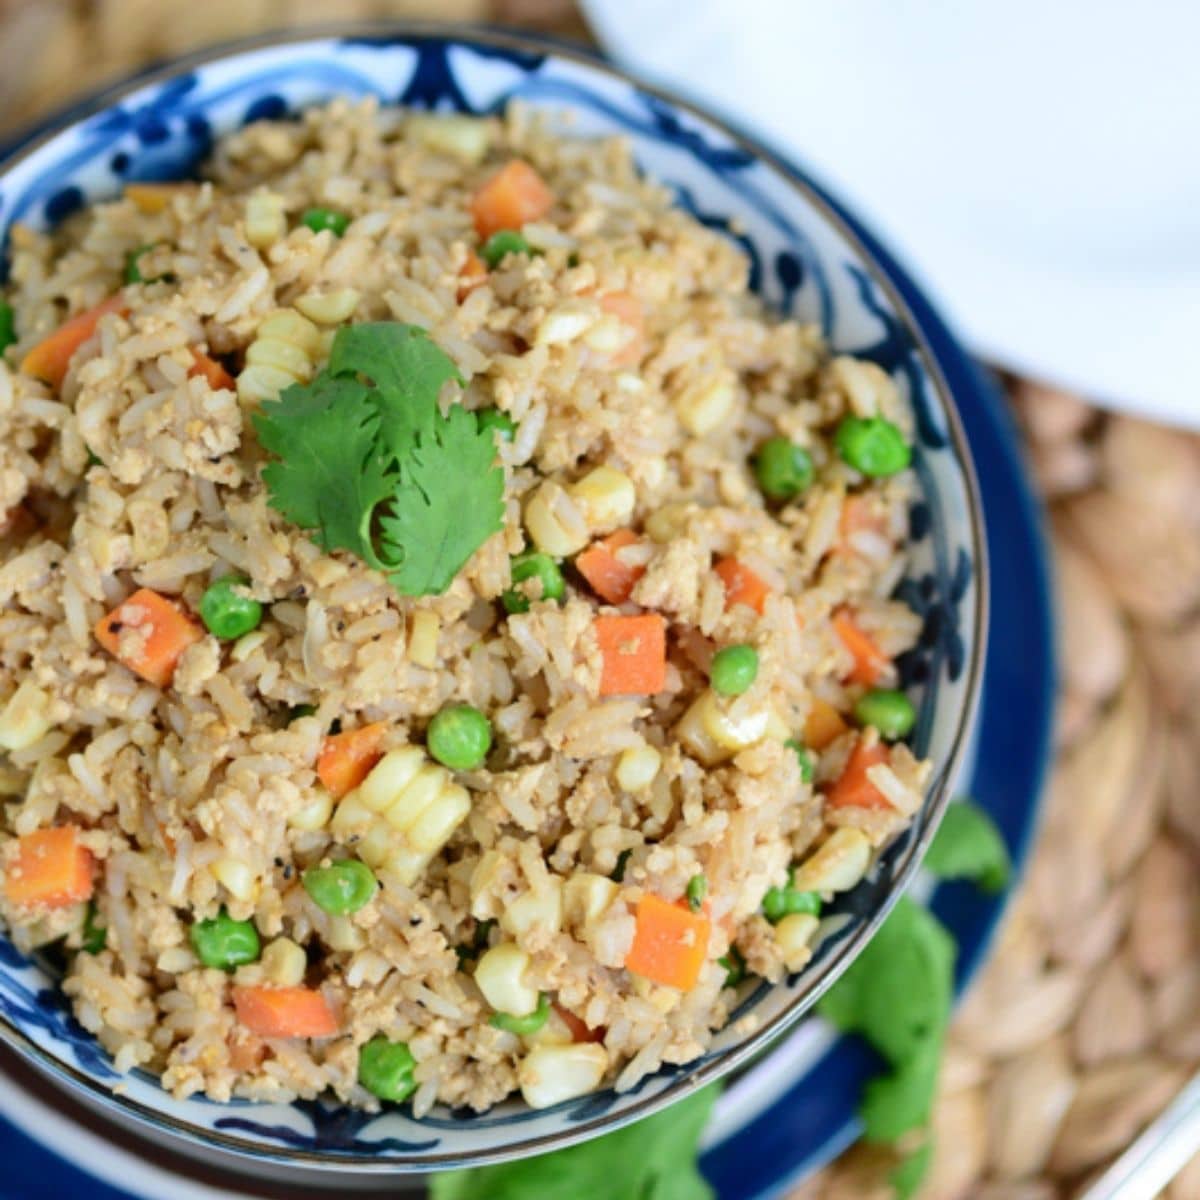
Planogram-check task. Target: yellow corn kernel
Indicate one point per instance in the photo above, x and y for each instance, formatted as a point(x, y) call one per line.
point(548, 1075)
point(484, 877)
point(285, 350)
point(586, 898)
point(405, 864)
point(237, 877)
point(500, 976)
point(265, 222)
point(712, 733)
point(23, 721)
point(637, 768)
point(706, 404)
point(417, 795)
point(258, 383)
point(283, 963)
point(777, 727)
point(554, 522)
point(606, 497)
point(389, 777)
point(667, 523)
point(837, 864)
point(344, 936)
point(540, 908)
point(555, 1032)
point(423, 640)
point(794, 935)
point(565, 323)
point(439, 819)
point(462, 137)
point(376, 844)
point(315, 814)
point(352, 817)
point(329, 308)
point(287, 357)
point(287, 325)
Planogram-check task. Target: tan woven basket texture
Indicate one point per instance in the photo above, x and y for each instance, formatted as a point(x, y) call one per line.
point(1087, 1019)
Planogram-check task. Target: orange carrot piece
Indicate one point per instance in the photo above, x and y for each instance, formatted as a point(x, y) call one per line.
point(634, 654)
point(51, 357)
point(212, 370)
point(151, 198)
point(164, 632)
point(471, 274)
point(347, 757)
point(822, 725)
point(609, 577)
point(859, 515)
point(869, 661)
point(742, 585)
point(852, 788)
point(670, 943)
point(246, 1051)
point(515, 195)
point(627, 308)
point(281, 1012)
point(51, 869)
point(580, 1032)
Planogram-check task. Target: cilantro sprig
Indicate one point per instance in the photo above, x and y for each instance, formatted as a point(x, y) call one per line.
point(366, 459)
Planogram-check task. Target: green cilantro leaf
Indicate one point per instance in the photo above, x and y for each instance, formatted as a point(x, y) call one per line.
point(653, 1159)
point(903, 1099)
point(449, 500)
point(408, 370)
point(330, 476)
point(968, 845)
point(911, 1171)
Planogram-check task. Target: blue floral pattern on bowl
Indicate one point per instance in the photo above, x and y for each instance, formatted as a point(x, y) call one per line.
point(804, 261)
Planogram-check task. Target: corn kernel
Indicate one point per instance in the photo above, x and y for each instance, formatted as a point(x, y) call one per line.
point(606, 497)
point(667, 523)
point(637, 768)
point(283, 356)
point(329, 308)
point(283, 963)
point(423, 640)
point(706, 404)
point(555, 1032)
point(236, 876)
point(390, 776)
point(837, 864)
point(554, 522)
point(439, 819)
point(315, 814)
point(549, 1075)
point(462, 137)
point(794, 935)
point(287, 325)
point(713, 733)
point(344, 936)
point(540, 908)
point(265, 222)
point(258, 383)
point(417, 795)
point(586, 898)
point(564, 324)
point(500, 976)
point(404, 864)
point(23, 721)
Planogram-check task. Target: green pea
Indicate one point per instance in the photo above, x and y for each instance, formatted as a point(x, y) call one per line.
point(780, 902)
point(872, 445)
point(341, 888)
point(225, 943)
point(783, 469)
point(805, 757)
point(532, 564)
point(618, 875)
point(8, 326)
point(735, 967)
point(891, 712)
point(697, 890)
point(459, 737)
point(226, 611)
point(492, 418)
point(507, 241)
point(523, 1026)
point(385, 1069)
point(94, 937)
point(733, 670)
point(318, 219)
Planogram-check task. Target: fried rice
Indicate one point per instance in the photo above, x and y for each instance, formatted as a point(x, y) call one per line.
point(199, 794)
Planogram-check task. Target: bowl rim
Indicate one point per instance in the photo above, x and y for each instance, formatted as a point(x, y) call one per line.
point(689, 1079)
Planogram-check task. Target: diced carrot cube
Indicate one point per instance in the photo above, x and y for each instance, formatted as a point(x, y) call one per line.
point(163, 632)
point(515, 195)
point(670, 943)
point(346, 758)
point(870, 662)
point(634, 654)
point(742, 585)
point(212, 370)
point(471, 274)
point(852, 788)
point(607, 575)
point(51, 869)
point(50, 359)
point(627, 308)
point(822, 725)
point(580, 1032)
point(283, 1012)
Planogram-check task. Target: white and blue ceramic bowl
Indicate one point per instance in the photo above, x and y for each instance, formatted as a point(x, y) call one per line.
point(805, 261)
